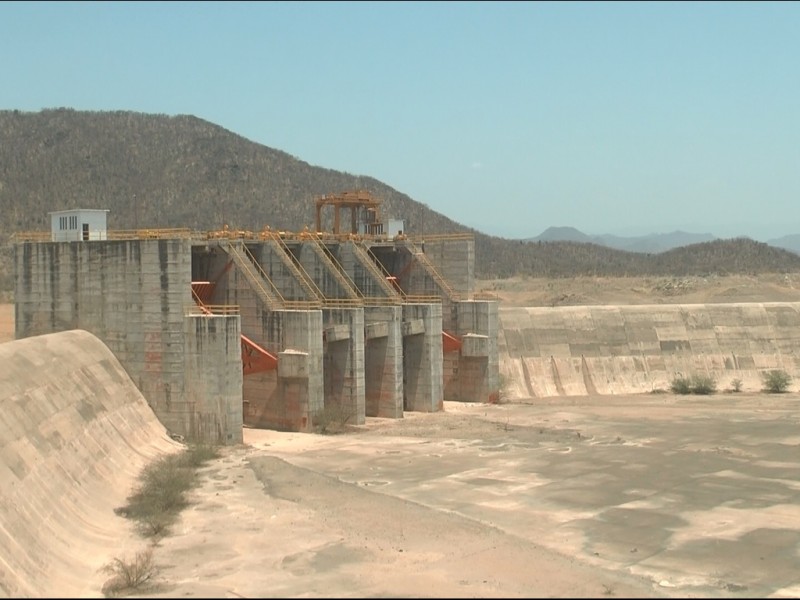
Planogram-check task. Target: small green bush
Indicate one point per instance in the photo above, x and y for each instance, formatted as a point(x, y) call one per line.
point(696, 384)
point(703, 384)
point(776, 381)
point(736, 385)
point(681, 385)
point(331, 419)
point(161, 494)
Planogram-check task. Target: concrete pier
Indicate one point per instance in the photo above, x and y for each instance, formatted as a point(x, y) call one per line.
point(471, 373)
point(383, 361)
point(343, 361)
point(422, 357)
point(287, 398)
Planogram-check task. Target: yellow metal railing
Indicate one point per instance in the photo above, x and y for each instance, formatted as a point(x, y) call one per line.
point(303, 278)
point(429, 268)
point(212, 309)
point(335, 269)
point(112, 235)
point(31, 236)
point(236, 234)
point(485, 296)
point(440, 237)
point(379, 273)
point(272, 297)
point(149, 234)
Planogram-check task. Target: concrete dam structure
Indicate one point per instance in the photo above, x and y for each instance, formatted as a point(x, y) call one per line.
point(268, 329)
point(75, 434)
point(586, 350)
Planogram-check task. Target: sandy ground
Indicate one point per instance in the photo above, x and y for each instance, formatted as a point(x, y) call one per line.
point(524, 291)
point(641, 496)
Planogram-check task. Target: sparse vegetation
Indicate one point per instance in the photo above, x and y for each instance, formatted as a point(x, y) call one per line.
point(776, 381)
point(503, 390)
point(736, 385)
point(680, 385)
point(696, 384)
point(161, 495)
point(331, 419)
point(703, 384)
point(129, 575)
point(608, 590)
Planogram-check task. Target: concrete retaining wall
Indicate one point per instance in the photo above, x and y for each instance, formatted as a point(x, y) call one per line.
point(134, 296)
point(75, 435)
point(585, 350)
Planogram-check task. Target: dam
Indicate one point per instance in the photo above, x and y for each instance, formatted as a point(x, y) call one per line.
point(77, 428)
point(270, 329)
point(609, 350)
point(77, 432)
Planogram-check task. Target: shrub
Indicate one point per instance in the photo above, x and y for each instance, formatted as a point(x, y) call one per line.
point(161, 494)
point(128, 575)
point(331, 419)
point(681, 385)
point(703, 384)
point(696, 384)
point(736, 385)
point(776, 381)
point(503, 390)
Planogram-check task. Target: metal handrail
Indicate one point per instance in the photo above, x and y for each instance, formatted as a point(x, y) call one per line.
point(482, 295)
point(256, 281)
point(304, 279)
point(212, 309)
point(430, 268)
point(235, 234)
point(365, 257)
point(422, 299)
point(336, 269)
point(436, 237)
point(109, 235)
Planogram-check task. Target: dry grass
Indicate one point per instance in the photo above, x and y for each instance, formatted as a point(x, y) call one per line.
point(129, 575)
point(161, 495)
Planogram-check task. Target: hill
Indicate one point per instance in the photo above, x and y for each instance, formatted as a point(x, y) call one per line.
point(788, 242)
point(154, 170)
point(655, 242)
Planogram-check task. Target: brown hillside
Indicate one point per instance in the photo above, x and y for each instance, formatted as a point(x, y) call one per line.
point(161, 171)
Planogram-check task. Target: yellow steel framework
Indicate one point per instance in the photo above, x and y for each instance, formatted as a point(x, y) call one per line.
point(364, 210)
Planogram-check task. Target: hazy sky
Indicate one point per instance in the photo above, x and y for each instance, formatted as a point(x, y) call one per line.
point(612, 117)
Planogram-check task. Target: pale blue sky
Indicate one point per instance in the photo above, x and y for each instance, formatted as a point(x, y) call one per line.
point(627, 118)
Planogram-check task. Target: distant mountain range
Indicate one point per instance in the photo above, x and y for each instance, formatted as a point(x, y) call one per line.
point(652, 243)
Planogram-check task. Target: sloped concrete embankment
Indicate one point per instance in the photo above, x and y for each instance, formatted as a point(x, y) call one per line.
point(74, 436)
point(586, 350)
